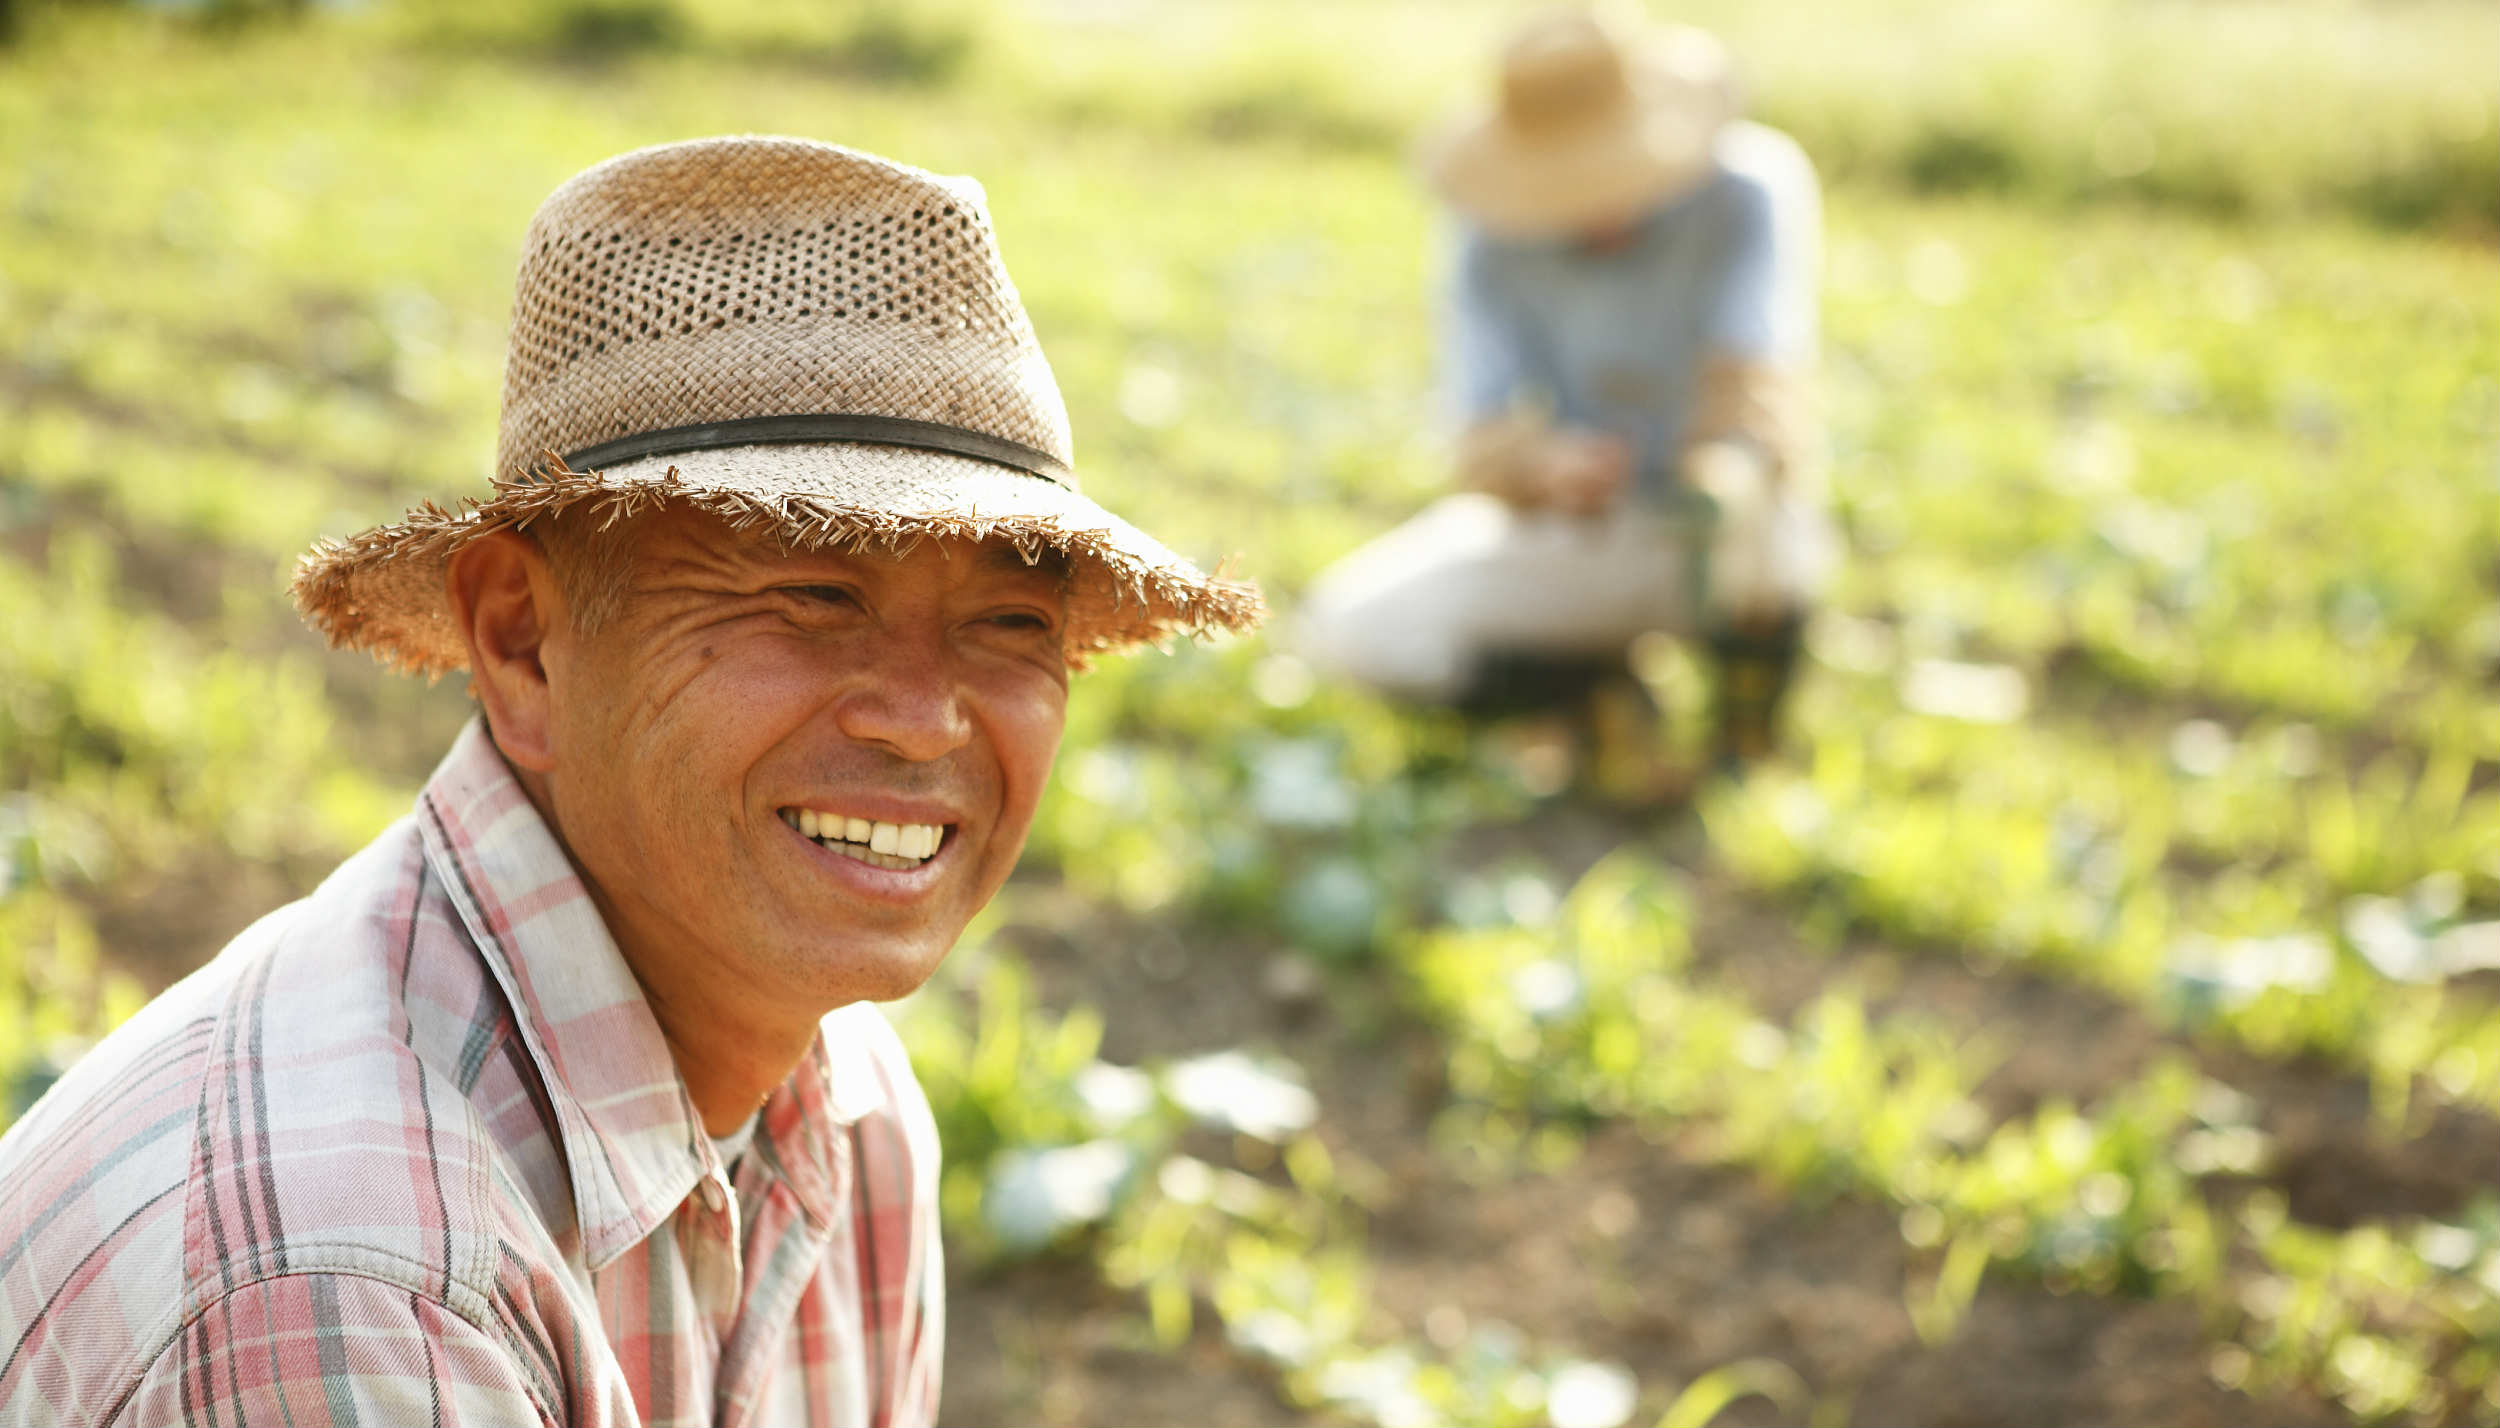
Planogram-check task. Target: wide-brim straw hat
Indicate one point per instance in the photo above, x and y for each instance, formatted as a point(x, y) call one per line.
point(1595, 122)
point(793, 336)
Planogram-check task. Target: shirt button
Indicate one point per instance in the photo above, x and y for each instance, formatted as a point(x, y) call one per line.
point(713, 1196)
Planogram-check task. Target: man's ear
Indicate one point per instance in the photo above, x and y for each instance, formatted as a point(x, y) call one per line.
point(506, 604)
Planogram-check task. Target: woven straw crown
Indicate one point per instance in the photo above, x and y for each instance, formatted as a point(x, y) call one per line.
point(791, 335)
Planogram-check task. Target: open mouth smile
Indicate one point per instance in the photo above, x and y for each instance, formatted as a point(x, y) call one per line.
point(896, 847)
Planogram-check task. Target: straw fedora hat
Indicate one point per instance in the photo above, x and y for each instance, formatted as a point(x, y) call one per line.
point(796, 337)
point(1595, 121)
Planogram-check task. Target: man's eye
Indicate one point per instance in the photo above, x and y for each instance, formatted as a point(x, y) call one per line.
point(822, 594)
point(1019, 620)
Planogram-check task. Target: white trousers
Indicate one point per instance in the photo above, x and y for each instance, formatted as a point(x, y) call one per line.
point(1415, 611)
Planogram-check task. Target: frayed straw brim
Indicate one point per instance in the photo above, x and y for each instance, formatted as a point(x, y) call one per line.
point(1521, 187)
point(382, 591)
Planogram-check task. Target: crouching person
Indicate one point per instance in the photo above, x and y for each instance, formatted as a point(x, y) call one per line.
point(1630, 332)
point(563, 1102)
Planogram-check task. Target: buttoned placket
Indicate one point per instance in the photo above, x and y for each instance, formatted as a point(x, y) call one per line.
point(715, 1268)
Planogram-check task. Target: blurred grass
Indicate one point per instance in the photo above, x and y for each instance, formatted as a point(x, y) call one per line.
point(2265, 109)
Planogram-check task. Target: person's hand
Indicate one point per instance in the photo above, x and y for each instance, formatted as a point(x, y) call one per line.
point(1499, 456)
point(1732, 474)
point(1583, 473)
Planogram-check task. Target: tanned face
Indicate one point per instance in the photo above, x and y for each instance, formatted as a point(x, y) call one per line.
point(903, 710)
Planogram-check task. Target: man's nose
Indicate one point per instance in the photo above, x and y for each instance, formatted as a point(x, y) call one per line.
point(908, 697)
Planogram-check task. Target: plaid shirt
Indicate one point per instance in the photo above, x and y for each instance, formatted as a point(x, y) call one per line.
point(412, 1150)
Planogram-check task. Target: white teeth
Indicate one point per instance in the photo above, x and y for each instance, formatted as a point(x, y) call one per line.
point(887, 845)
point(892, 862)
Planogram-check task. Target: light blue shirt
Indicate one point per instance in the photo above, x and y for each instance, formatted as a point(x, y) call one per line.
point(1616, 340)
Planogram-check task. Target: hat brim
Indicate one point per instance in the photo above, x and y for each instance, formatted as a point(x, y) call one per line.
point(1514, 186)
point(382, 591)
point(1518, 184)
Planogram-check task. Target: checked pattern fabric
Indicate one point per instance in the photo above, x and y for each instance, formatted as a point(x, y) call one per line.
point(413, 1151)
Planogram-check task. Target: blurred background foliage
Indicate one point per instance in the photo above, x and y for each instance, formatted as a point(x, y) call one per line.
point(2093, 1018)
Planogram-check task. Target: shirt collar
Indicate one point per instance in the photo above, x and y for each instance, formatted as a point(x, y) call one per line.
point(631, 1136)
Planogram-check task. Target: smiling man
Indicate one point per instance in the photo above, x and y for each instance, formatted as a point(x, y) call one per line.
point(563, 1102)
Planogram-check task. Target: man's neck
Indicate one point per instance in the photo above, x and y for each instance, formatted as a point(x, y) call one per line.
point(725, 1075)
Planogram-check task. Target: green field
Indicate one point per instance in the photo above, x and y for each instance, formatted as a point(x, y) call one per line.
point(2093, 1019)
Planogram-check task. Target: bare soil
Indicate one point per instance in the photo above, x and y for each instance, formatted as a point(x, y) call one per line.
point(1644, 1253)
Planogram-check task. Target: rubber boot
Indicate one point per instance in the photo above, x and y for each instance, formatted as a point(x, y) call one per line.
point(1552, 718)
point(1510, 683)
point(1629, 766)
point(1752, 669)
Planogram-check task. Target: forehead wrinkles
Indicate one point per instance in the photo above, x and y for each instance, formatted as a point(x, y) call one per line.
point(691, 541)
point(700, 544)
